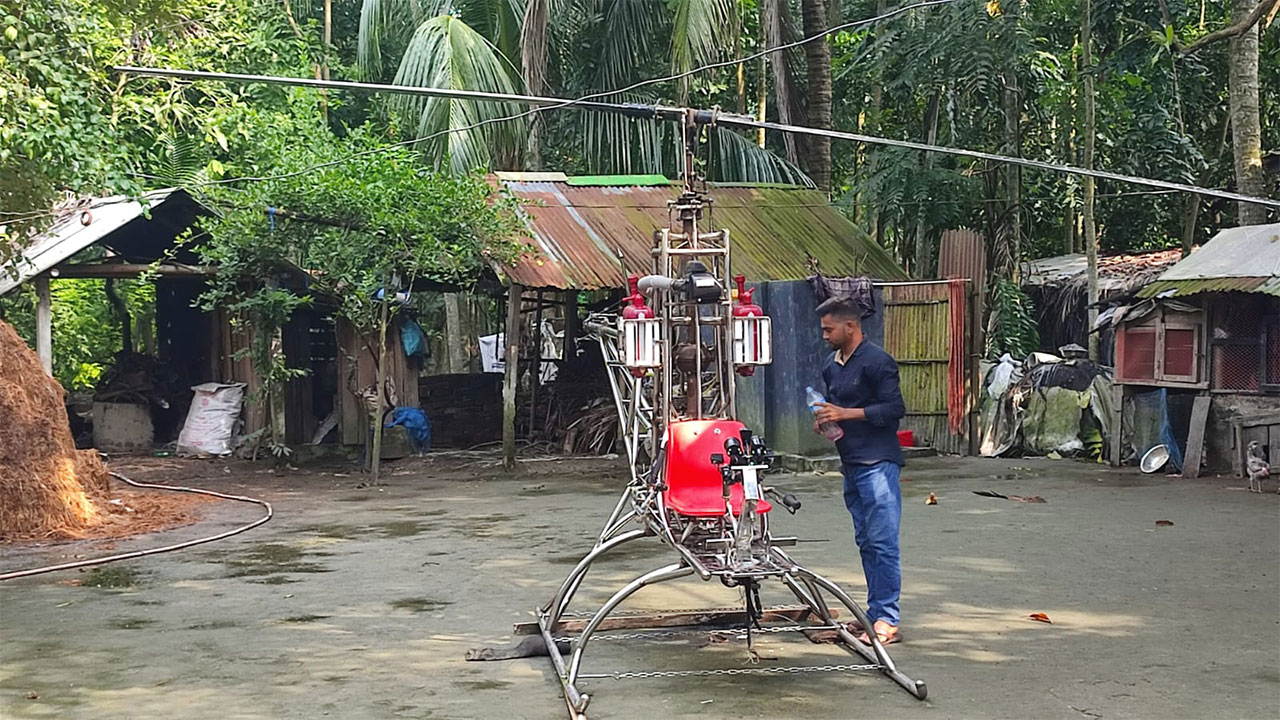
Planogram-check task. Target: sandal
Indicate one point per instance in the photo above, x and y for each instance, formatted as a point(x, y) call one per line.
point(887, 635)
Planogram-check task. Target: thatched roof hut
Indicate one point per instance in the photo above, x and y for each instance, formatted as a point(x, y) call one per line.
point(1059, 288)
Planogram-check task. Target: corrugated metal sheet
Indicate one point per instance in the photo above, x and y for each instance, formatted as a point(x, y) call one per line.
point(1239, 259)
point(963, 254)
point(1182, 288)
point(69, 236)
point(587, 234)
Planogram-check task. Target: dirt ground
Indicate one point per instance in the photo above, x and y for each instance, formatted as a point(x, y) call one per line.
point(358, 602)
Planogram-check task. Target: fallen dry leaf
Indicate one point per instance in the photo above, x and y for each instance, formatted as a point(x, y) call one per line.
point(1164, 522)
point(1041, 617)
point(932, 500)
point(1027, 498)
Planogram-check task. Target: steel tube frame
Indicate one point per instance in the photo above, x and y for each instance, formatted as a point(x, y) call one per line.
point(555, 609)
point(653, 577)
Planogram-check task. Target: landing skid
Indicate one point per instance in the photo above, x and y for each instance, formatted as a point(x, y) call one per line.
point(810, 588)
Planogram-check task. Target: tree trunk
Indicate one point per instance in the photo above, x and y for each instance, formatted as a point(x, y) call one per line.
point(784, 90)
point(1246, 133)
point(1011, 100)
point(818, 66)
point(1090, 240)
point(533, 66)
point(873, 124)
point(762, 82)
point(924, 248)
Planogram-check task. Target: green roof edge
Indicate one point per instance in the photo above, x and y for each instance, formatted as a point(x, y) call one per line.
point(615, 180)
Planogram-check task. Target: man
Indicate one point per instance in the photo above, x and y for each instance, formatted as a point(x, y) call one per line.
point(865, 400)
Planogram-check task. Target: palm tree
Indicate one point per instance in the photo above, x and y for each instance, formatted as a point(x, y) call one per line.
point(563, 47)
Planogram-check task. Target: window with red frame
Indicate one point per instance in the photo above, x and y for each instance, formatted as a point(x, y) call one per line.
point(1163, 348)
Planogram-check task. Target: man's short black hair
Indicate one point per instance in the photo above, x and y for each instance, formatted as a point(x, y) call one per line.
point(842, 309)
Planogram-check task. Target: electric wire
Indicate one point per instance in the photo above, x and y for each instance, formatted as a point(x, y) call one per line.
point(549, 103)
point(715, 116)
point(155, 551)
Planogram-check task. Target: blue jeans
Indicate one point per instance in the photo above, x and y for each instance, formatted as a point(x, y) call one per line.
point(874, 499)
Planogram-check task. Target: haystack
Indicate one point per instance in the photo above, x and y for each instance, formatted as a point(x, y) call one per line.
point(47, 487)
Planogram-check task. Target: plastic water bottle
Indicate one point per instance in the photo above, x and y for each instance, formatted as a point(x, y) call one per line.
point(831, 430)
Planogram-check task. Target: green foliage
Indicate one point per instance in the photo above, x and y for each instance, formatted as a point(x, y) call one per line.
point(1012, 326)
point(333, 221)
point(86, 331)
point(445, 52)
point(67, 123)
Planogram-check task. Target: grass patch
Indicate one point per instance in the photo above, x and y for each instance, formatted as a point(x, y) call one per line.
point(111, 577)
point(273, 559)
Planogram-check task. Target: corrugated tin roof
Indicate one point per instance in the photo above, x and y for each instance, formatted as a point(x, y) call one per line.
point(1239, 259)
point(1183, 288)
point(69, 235)
point(581, 231)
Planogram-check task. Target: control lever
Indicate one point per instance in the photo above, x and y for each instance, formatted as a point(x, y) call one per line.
point(789, 501)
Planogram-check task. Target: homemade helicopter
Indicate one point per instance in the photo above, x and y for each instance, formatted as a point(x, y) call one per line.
point(695, 484)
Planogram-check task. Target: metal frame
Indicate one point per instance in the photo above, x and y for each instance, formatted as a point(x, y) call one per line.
point(737, 549)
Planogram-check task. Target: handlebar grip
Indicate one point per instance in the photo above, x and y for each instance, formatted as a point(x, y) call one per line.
point(791, 502)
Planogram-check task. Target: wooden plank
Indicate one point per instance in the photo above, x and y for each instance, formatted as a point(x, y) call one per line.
point(44, 323)
point(1195, 438)
point(687, 618)
point(1273, 444)
point(132, 270)
point(1265, 418)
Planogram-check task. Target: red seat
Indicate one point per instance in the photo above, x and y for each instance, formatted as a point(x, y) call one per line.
point(693, 484)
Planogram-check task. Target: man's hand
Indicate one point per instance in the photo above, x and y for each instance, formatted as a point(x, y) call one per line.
point(834, 413)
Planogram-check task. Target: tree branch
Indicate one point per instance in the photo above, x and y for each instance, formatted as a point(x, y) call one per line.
point(1231, 31)
point(288, 12)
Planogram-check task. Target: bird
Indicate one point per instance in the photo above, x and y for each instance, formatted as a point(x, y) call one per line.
point(1257, 467)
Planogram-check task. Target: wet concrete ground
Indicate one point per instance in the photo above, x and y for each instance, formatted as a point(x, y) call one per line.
point(361, 602)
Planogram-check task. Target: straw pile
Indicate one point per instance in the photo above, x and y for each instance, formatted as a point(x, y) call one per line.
point(47, 487)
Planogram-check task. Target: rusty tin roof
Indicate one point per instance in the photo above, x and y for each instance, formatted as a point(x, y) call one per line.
point(1238, 259)
point(581, 228)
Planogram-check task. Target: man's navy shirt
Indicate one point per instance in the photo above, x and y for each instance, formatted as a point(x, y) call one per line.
point(868, 379)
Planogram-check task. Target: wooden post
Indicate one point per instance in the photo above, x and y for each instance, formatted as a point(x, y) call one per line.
point(44, 323)
point(455, 339)
point(376, 457)
point(537, 365)
point(1117, 422)
point(510, 373)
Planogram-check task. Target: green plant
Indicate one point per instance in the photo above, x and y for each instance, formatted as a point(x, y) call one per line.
point(1012, 327)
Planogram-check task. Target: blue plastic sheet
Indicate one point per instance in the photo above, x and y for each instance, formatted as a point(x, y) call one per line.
point(416, 424)
point(413, 339)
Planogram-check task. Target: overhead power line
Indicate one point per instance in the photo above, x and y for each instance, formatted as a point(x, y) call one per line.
point(565, 103)
point(673, 113)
